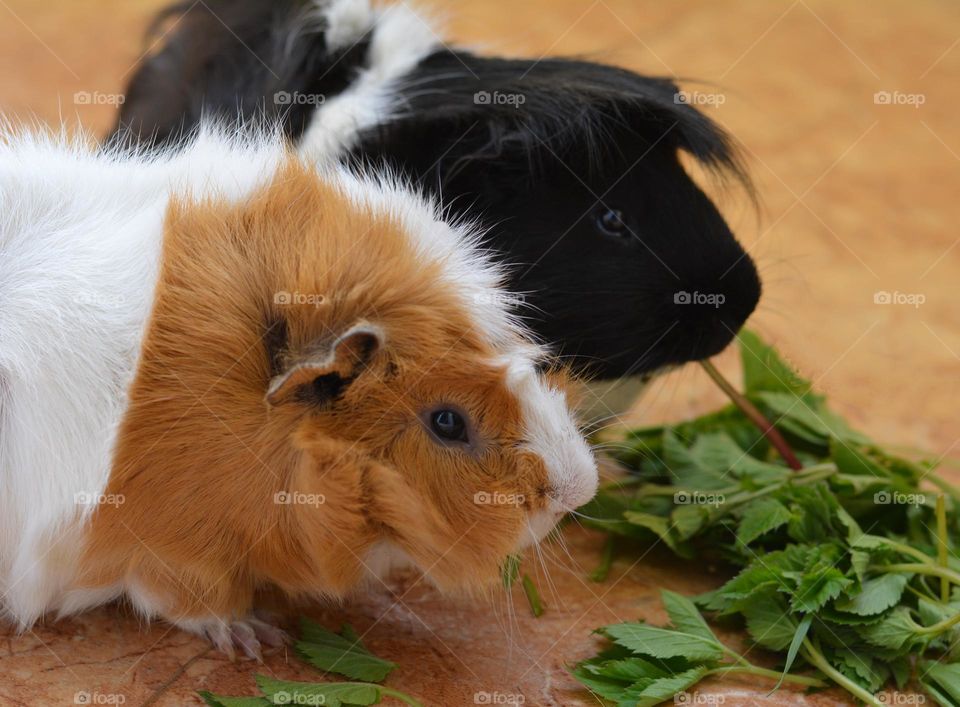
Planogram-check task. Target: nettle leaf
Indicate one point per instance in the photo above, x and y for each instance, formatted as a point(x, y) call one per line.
point(895, 631)
point(330, 694)
point(221, 701)
point(876, 595)
point(664, 643)
point(861, 668)
point(510, 571)
point(343, 654)
point(855, 461)
point(751, 580)
point(818, 587)
point(613, 678)
point(946, 676)
point(769, 623)
point(666, 688)
point(684, 615)
point(760, 517)
point(656, 524)
point(765, 370)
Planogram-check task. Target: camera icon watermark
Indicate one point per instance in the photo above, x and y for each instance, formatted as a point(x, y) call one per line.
point(897, 498)
point(899, 98)
point(698, 98)
point(698, 498)
point(86, 498)
point(498, 698)
point(290, 299)
point(888, 697)
point(498, 498)
point(97, 98)
point(497, 98)
point(698, 698)
point(912, 299)
point(297, 498)
point(298, 98)
point(84, 697)
point(708, 299)
point(298, 698)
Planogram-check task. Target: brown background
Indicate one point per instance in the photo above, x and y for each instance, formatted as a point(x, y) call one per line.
point(857, 198)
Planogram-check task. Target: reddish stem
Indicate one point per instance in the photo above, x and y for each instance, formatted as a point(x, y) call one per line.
point(756, 417)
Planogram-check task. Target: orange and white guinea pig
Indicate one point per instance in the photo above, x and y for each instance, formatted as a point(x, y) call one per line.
point(226, 370)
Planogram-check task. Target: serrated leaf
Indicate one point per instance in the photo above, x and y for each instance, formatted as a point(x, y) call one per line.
point(818, 587)
point(876, 596)
point(760, 517)
point(765, 370)
point(666, 688)
point(664, 643)
point(769, 623)
point(656, 524)
point(894, 631)
point(946, 676)
point(341, 654)
point(329, 694)
point(684, 615)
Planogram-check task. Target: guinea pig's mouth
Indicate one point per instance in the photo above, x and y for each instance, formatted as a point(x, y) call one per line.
point(539, 525)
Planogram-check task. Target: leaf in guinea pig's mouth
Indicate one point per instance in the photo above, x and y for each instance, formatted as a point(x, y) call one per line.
point(510, 570)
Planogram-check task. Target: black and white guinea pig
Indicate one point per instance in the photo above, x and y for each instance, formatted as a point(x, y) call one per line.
point(224, 370)
point(573, 167)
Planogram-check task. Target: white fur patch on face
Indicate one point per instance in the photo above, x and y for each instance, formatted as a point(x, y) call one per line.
point(552, 434)
point(400, 39)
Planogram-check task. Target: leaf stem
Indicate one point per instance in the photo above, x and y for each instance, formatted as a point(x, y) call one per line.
point(606, 561)
point(942, 548)
point(919, 568)
point(402, 696)
point(816, 658)
point(755, 416)
point(751, 669)
point(533, 596)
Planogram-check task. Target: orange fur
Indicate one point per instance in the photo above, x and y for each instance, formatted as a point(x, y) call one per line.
point(202, 456)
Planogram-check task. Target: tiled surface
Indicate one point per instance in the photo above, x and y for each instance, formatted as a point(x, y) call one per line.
point(858, 198)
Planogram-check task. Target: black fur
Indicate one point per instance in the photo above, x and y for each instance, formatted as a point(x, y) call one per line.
point(587, 138)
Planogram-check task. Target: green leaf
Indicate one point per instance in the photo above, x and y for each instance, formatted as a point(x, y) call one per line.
point(666, 688)
point(876, 596)
point(221, 701)
point(684, 615)
point(760, 517)
point(342, 654)
point(945, 675)
point(329, 694)
point(765, 370)
point(510, 570)
point(664, 643)
point(818, 587)
point(656, 524)
point(769, 623)
point(894, 631)
point(795, 643)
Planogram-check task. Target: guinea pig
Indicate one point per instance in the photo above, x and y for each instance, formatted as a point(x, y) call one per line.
point(573, 167)
point(225, 369)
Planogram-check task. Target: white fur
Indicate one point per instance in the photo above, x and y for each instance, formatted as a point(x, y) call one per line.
point(401, 39)
point(80, 240)
point(80, 237)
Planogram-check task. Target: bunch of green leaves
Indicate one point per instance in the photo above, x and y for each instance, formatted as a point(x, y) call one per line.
point(845, 566)
point(341, 653)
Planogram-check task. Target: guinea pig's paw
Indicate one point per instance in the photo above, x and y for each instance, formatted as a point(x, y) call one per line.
point(247, 636)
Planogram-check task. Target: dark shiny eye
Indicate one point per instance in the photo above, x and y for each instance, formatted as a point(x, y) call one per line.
point(449, 425)
point(612, 222)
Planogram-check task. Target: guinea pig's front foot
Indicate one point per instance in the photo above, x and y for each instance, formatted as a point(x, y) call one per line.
point(246, 636)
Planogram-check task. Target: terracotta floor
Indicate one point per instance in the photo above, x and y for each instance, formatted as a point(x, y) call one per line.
point(858, 198)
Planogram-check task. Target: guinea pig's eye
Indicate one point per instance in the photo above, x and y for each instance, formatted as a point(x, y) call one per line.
point(449, 425)
point(612, 222)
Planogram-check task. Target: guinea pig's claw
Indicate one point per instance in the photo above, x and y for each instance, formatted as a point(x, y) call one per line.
point(269, 634)
point(248, 636)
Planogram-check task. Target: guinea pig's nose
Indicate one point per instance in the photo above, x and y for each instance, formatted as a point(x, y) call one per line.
point(710, 310)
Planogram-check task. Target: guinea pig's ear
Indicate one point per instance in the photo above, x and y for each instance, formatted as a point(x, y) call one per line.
point(325, 373)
